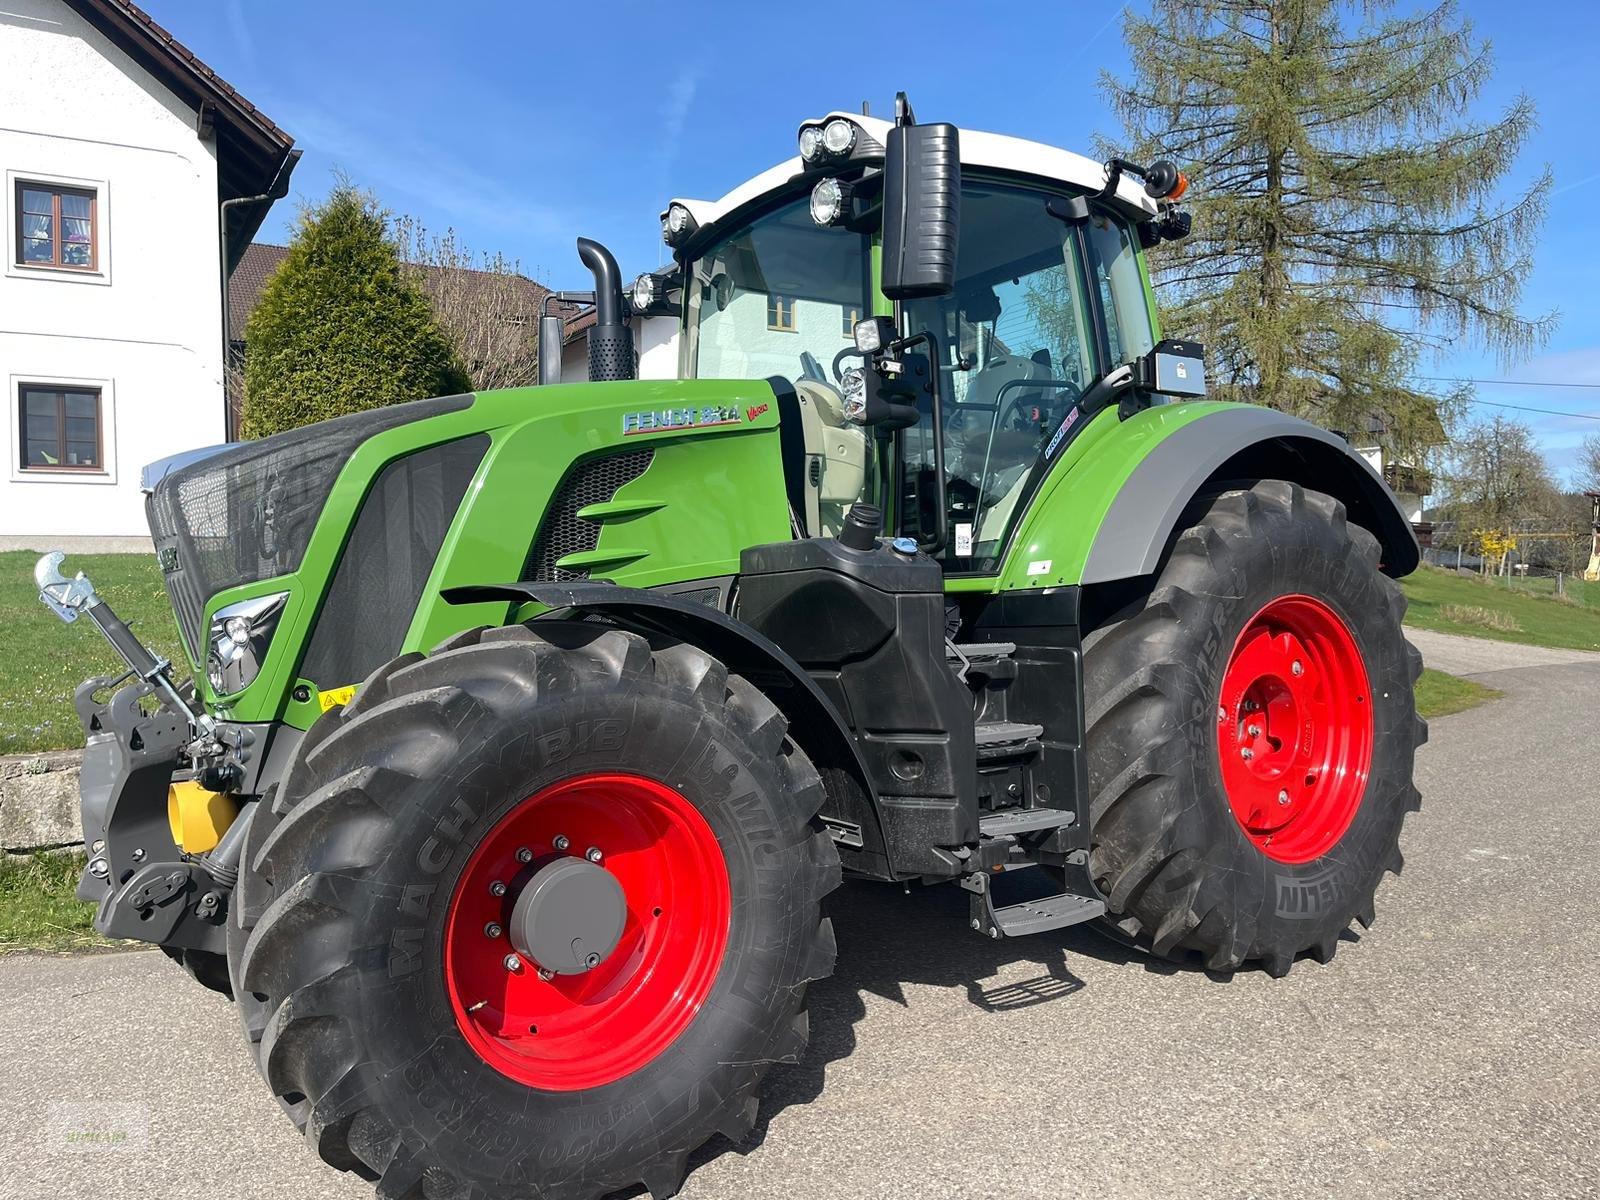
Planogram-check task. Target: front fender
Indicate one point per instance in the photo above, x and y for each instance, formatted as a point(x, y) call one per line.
point(1110, 511)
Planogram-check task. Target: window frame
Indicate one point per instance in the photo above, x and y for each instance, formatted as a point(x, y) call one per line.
point(56, 190)
point(780, 306)
point(61, 390)
point(104, 220)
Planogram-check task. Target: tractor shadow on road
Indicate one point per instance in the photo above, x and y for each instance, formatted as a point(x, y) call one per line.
point(887, 939)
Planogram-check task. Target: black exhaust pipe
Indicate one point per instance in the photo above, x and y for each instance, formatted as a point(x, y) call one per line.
point(610, 339)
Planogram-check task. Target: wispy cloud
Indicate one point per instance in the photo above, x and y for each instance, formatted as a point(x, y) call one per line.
point(243, 42)
point(675, 114)
point(383, 157)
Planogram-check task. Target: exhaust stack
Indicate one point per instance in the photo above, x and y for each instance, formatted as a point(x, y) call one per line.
point(610, 339)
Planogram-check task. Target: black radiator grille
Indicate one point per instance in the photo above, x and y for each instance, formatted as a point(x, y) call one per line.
point(562, 532)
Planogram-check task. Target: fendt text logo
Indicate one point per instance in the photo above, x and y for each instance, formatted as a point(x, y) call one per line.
point(667, 419)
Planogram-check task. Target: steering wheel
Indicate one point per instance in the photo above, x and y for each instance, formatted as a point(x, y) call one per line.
point(1055, 392)
point(838, 358)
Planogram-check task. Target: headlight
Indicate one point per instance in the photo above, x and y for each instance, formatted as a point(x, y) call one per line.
point(811, 143)
point(677, 225)
point(240, 635)
point(838, 136)
point(873, 334)
point(853, 385)
point(830, 201)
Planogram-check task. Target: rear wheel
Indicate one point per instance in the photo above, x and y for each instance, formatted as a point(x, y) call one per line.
point(1251, 735)
point(533, 916)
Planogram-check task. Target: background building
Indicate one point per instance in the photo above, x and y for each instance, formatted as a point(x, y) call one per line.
point(134, 179)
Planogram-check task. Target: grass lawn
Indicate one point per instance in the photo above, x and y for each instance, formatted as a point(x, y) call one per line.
point(38, 910)
point(42, 659)
point(1439, 695)
point(1453, 603)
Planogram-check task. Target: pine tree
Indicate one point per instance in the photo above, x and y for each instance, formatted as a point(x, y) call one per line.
point(1346, 228)
point(340, 327)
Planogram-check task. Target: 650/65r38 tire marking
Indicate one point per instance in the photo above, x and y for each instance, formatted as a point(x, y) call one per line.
point(572, 1031)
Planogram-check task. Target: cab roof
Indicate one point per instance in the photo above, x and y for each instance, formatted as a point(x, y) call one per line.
point(988, 151)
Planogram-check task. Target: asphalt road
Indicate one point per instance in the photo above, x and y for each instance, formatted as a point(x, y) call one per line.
point(1453, 1050)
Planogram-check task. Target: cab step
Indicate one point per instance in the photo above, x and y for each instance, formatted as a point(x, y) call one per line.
point(1011, 821)
point(1030, 916)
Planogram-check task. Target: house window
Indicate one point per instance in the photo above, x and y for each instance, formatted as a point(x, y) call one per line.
point(60, 428)
point(56, 227)
point(851, 316)
point(780, 313)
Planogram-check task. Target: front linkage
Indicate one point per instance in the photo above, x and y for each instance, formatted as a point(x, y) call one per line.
point(163, 853)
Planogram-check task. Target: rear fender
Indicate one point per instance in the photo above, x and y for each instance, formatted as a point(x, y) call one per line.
point(851, 808)
point(1111, 514)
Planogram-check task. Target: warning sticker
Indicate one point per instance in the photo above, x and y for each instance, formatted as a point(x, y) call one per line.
point(335, 697)
point(964, 539)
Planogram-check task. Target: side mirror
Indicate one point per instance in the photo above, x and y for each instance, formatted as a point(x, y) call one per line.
point(921, 210)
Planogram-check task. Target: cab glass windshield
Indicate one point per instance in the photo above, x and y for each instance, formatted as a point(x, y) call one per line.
point(779, 297)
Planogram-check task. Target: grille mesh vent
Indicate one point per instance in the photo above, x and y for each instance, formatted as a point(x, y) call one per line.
point(562, 532)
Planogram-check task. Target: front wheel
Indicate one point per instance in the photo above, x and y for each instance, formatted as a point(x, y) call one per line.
point(1251, 730)
point(533, 915)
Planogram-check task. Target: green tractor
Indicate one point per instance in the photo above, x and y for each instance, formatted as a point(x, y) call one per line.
point(530, 729)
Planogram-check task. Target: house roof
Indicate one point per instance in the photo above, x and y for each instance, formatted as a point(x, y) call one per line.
point(261, 259)
point(254, 156)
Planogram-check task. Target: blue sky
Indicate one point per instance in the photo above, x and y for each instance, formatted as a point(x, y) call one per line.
point(524, 125)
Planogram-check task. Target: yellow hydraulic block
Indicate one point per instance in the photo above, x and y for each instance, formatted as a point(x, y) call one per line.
point(198, 817)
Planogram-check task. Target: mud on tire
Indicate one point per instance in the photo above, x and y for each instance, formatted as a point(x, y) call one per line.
point(336, 944)
point(1180, 874)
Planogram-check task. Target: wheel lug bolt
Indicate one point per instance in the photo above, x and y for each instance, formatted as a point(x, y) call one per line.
point(1245, 754)
point(1297, 668)
point(512, 962)
point(1283, 797)
point(1254, 730)
point(561, 842)
point(497, 888)
point(524, 855)
point(491, 930)
point(546, 975)
point(593, 854)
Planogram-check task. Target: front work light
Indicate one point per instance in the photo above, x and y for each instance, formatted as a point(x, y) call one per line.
point(830, 201)
point(811, 143)
point(838, 136)
point(873, 334)
point(677, 225)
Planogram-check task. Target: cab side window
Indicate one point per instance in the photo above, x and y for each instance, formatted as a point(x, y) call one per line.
point(1116, 273)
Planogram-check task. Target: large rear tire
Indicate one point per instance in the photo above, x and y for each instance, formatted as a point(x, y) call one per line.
point(1251, 730)
point(377, 901)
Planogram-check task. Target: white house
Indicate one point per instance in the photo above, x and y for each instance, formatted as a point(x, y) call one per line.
point(134, 179)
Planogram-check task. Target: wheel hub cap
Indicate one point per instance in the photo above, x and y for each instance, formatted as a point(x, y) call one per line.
point(568, 918)
point(1294, 729)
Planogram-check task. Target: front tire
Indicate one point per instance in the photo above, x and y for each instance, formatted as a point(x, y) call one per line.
point(1251, 731)
point(384, 1015)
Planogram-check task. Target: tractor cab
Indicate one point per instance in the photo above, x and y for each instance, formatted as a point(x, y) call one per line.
point(943, 312)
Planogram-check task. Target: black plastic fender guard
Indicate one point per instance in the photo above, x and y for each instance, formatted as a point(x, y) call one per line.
point(851, 809)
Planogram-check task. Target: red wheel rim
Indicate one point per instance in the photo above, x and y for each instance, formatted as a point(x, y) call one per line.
point(1294, 729)
point(581, 1031)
